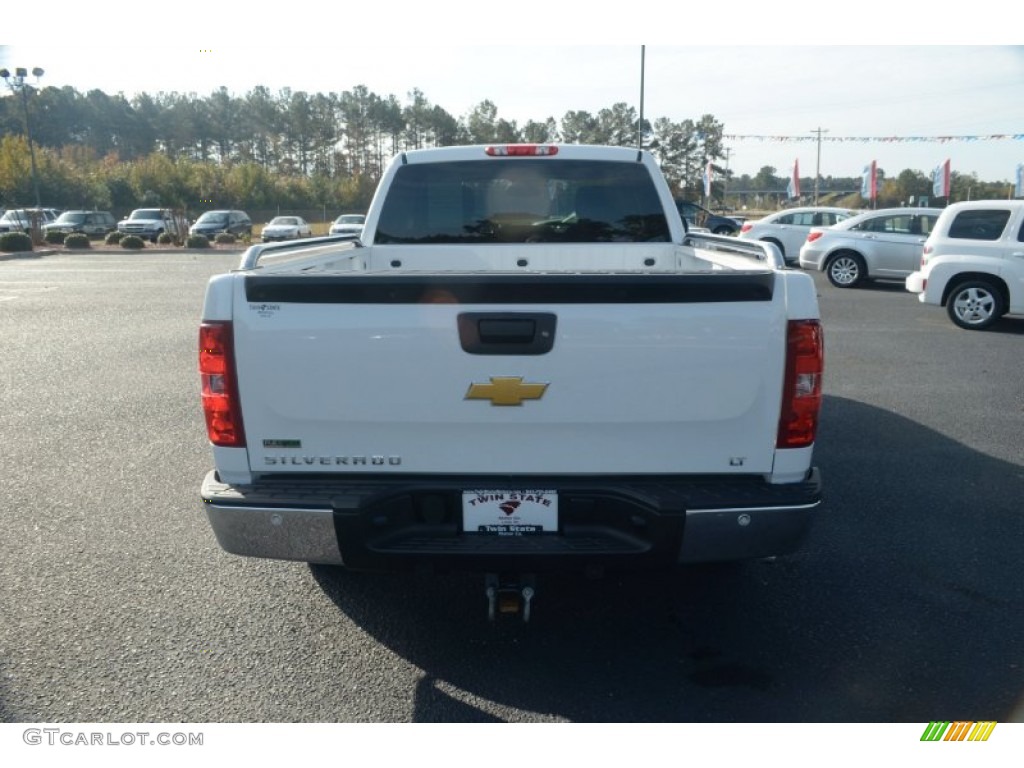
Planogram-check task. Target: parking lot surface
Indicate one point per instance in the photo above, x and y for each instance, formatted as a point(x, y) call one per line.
point(904, 605)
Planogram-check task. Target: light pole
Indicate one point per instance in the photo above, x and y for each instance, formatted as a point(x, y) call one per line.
point(725, 182)
point(640, 123)
point(16, 82)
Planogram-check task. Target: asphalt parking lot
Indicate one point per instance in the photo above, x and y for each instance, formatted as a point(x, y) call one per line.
point(905, 605)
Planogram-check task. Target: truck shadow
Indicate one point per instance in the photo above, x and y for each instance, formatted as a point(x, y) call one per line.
point(904, 605)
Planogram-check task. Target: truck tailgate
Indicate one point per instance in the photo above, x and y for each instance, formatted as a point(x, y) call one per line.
point(517, 374)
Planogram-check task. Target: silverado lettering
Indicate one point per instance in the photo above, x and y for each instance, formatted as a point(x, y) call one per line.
point(393, 461)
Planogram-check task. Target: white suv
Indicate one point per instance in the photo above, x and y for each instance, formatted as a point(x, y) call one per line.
point(973, 262)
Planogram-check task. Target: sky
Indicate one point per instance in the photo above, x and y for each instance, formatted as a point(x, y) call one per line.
point(902, 106)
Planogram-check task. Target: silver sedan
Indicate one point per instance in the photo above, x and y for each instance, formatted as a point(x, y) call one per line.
point(886, 243)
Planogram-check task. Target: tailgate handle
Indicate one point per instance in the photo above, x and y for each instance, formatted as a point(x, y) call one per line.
point(497, 331)
point(507, 333)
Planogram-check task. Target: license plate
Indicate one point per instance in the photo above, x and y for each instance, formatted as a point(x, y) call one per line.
point(509, 513)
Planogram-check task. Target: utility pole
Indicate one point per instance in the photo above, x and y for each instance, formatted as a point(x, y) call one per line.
point(817, 167)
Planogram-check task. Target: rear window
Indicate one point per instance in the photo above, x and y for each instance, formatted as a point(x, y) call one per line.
point(522, 200)
point(979, 224)
point(213, 217)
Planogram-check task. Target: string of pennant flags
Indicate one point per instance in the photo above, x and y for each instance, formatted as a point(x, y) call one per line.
point(882, 139)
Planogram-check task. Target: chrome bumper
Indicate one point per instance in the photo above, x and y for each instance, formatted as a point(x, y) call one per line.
point(378, 532)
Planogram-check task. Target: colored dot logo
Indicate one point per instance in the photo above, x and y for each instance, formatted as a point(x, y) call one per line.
point(958, 731)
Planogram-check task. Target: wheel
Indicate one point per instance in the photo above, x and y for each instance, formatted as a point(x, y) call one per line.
point(975, 304)
point(845, 270)
point(722, 230)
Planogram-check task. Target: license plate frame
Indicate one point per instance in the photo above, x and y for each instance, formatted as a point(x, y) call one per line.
point(508, 512)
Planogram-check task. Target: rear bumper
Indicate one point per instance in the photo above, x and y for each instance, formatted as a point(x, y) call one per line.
point(810, 260)
point(915, 282)
point(414, 523)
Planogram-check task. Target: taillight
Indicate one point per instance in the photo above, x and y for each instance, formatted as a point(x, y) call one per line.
point(801, 389)
point(219, 385)
point(521, 150)
point(747, 226)
point(812, 236)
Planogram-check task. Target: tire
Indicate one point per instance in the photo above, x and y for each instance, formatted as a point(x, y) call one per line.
point(845, 270)
point(722, 231)
point(974, 305)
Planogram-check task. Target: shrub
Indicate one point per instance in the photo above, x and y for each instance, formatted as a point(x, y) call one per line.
point(225, 238)
point(198, 241)
point(133, 242)
point(164, 238)
point(113, 238)
point(12, 242)
point(53, 238)
point(76, 240)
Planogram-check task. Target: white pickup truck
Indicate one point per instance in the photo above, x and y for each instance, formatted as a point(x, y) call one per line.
point(525, 363)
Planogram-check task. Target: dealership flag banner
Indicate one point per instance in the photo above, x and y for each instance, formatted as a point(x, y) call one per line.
point(707, 179)
point(1019, 189)
point(869, 182)
point(793, 188)
point(940, 180)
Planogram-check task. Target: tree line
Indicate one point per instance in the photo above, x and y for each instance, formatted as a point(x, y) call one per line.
point(294, 150)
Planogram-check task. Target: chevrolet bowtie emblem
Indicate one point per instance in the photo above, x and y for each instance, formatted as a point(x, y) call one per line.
point(506, 390)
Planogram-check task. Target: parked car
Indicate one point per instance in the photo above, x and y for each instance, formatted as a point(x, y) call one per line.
point(878, 244)
point(350, 224)
point(91, 223)
point(787, 229)
point(20, 219)
point(973, 263)
point(285, 228)
point(212, 223)
point(697, 216)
